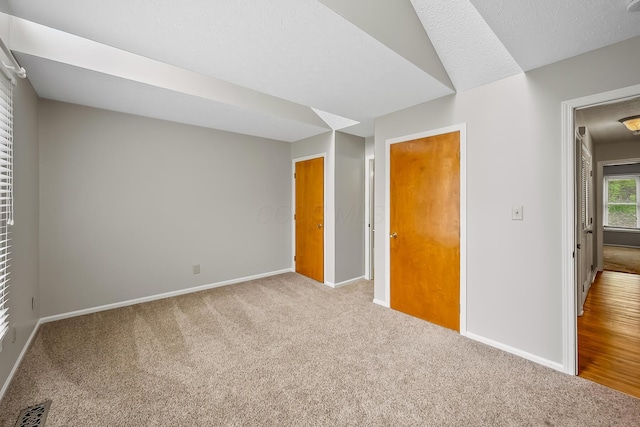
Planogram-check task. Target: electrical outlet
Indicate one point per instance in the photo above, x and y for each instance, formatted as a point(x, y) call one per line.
point(516, 213)
point(196, 269)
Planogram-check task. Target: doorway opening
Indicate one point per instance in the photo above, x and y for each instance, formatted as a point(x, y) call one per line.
point(601, 308)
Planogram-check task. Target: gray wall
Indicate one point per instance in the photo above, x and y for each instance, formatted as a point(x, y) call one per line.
point(24, 234)
point(129, 204)
point(349, 207)
point(618, 237)
point(369, 146)
point(514, 268)
point(311, 146)
point(631, 169)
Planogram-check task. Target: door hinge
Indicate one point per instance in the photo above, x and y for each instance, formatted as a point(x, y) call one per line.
point(582, 288)
point(592, 267)
point(294, 257)
point(294, 216)
point(579, 246)
point(573, 254)
point(294, 175)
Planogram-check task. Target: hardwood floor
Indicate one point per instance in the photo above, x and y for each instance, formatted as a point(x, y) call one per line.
point(609, 333)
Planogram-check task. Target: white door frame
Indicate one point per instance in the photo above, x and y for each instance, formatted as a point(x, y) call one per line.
point(293, 209)
point(569, 263)
point(367, 216)
point(462, 128)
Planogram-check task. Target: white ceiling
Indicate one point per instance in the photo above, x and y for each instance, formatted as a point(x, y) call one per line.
point(541, 32)
point(470, 51)
point(262, 68)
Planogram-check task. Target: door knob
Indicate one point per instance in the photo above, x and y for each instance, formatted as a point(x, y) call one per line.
point(590, 231)
point(394, 235)
point(319, 225)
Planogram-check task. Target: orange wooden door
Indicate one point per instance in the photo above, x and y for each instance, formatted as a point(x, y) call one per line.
point(310, 218)
point(425, 228)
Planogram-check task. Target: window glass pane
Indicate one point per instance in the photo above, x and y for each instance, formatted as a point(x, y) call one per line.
point(622, 190)
point(622, 216)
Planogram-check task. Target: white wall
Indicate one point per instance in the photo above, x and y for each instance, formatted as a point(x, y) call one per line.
point(514, 147)
point(24, 234)
point(349, 207)
point(129, 204)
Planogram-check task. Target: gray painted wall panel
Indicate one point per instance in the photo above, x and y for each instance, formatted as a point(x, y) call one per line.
point(130, 204)
point(349, 207)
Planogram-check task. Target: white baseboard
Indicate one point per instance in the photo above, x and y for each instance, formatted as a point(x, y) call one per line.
point(382, 303)
point(532, 357)
point(16, 365)
point(346, 282)
point(159, 296)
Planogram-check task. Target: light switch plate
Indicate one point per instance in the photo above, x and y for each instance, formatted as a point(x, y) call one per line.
point(516, 213)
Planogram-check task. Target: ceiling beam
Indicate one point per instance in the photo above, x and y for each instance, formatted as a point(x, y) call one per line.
point(396, 25)
point(38, 40)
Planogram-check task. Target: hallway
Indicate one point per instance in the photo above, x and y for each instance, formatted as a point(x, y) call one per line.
point(609, 332)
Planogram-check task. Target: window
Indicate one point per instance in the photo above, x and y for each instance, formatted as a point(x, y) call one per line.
point(6, 194)
point(621, 201)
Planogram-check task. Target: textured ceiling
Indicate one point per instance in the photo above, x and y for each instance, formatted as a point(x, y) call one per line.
point(541, 32)
point(602, 121)
point(470, 51)
point(263, 68)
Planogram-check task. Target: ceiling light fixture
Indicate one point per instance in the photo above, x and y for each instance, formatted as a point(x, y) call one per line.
point(632, 123)
point(634, 6)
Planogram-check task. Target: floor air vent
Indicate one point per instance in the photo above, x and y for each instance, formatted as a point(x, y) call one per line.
point(34, 416)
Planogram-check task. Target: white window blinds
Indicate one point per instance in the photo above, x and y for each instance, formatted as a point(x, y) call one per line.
point(6, 195)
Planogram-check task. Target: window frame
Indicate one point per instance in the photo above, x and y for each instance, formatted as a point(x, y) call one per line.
point(606, 204)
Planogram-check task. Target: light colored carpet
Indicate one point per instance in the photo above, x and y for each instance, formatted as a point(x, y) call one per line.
point(286, 350)
point(625, 260)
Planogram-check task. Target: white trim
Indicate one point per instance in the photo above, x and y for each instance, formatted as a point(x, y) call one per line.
point(621, 246)
point(569, 285)
point(179, 292)
point(16, 365)
point(526, 355)
point(344, 283)
point(293, 208)
point(380, 302)
point(605, 199)
point(462, 128)
point(621, 230)
point(367, 216)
